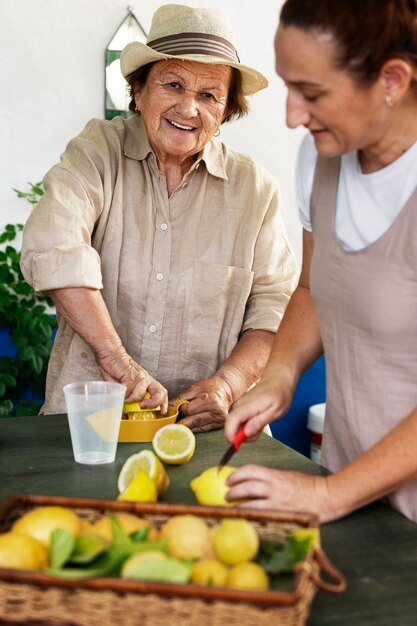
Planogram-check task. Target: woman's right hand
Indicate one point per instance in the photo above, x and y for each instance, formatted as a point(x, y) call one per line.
point(266, 402)
point(119, 366)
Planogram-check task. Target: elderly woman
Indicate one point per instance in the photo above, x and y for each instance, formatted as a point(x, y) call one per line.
point(163, 250)
point(351, 72)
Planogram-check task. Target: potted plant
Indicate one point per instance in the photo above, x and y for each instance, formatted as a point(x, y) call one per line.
point(27, 325)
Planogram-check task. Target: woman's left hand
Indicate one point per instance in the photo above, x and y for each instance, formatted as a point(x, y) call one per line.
point(264, 488)
point(209, 402)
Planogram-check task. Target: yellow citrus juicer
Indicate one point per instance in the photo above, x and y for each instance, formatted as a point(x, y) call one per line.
point(142, 424)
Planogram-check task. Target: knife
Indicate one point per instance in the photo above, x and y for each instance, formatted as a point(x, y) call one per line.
point(238, 439)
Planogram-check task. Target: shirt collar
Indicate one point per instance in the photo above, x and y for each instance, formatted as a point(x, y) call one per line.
point(137, 147)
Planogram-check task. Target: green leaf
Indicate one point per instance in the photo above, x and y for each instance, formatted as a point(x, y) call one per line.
point(26, 353)
point(8, 380)
point(44, 329)
point(277, 557)
point(88, 546)
point(61, 547)
point(140, 535)
point(36, 362)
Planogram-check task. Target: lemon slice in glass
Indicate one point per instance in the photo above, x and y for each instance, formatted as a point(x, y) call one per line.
point(174, 444)
point(149, 463)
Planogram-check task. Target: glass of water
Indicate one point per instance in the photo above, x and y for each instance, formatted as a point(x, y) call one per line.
point(94, 411)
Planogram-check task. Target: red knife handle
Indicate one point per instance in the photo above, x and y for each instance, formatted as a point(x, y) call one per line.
point(239, 438)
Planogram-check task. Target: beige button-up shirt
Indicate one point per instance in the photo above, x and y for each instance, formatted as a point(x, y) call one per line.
point(182, 276)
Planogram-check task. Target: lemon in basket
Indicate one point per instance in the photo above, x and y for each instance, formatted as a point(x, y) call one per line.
point(141, 489)
point(174, 444)
point(156, 566)
point(41, 522)
point(149, 463)
point(210, 487)
point(247, 575)
point(235, 541)
point(22, 552)
point(209, 572)
point(188, 537)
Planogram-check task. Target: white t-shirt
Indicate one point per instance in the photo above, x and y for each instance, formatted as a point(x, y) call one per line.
point(367, 204)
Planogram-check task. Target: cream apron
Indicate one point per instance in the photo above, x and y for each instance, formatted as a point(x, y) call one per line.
point(367, 306)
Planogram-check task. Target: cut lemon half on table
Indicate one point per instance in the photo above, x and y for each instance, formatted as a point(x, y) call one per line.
point(174, 444)
point(149, 463)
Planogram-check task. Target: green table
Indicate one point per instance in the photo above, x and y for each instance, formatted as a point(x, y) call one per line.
point(375, 548)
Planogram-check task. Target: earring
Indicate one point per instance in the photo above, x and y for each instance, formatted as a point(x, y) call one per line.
point(217, 133)
point(388, 100)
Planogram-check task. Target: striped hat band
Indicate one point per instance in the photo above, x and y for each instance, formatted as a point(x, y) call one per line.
point(195, 43)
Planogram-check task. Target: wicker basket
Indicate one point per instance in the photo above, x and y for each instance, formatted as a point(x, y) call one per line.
point(32, 596)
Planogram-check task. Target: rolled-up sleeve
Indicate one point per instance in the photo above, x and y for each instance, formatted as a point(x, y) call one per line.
point(275, 270)
point(56, 246)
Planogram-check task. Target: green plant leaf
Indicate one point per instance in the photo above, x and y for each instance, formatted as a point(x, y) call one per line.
point(26, 353)
point(8, 380)
point(36, 362)
point(88, 546)
point(61, 547)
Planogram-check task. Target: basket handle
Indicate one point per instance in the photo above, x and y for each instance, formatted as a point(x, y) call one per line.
point(339, 584)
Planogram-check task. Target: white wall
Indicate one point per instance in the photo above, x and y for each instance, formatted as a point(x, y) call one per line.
point(52, 82)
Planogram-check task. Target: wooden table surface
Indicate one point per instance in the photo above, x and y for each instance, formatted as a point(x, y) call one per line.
point(375, 548)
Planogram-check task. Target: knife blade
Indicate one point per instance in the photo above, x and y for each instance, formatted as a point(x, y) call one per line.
point(239, 438)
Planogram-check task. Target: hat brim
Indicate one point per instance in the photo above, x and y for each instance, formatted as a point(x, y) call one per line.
point(137, 54)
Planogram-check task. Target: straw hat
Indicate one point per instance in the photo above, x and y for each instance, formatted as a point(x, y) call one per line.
point(201, 35)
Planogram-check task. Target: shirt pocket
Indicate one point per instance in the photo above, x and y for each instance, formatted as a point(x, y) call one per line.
point(216, 312)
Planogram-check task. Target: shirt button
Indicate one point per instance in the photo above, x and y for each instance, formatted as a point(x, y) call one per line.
point(184, 185)
point(164, 226)
point(159, 276)
point(152, 328)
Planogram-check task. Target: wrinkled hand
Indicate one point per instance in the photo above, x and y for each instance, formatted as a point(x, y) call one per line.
point(120, 367)
point(266, 402)
point(209, 402)
point(264, 488)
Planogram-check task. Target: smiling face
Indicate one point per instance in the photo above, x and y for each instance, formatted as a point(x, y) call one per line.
point(182, 105)
point(341, 114)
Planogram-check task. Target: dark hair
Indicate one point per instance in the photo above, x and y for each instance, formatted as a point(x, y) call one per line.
point(366, 33)
point(237, 104)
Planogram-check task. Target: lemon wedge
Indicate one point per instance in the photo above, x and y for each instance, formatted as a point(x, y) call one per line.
point(174, 444)
point(149, 463)
point(141, 489)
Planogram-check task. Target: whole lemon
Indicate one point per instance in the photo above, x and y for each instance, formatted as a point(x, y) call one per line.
point(210, 487)
point(209, 572)
point(41, 522)
point(141, 489)
point(188, 536)
point(235, 541)
point(134, 561)
point(22, 552)
point(247, 576)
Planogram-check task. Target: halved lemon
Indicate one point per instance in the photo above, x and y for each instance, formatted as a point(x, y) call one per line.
point(149, 463)
point(134, 411)
point(174, 444)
